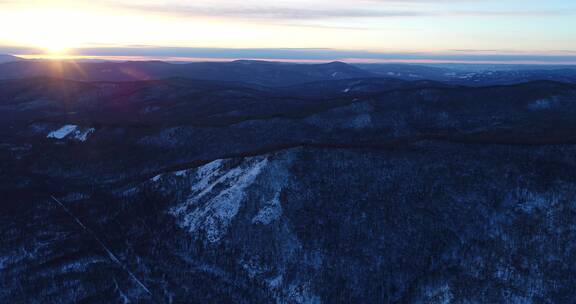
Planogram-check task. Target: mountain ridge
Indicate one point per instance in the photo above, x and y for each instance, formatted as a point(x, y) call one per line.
point(9, 58)
point(274, 74)
point(350, 190)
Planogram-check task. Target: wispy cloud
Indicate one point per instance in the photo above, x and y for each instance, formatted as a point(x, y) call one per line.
point(274, 13)
point(370, 9)
point(518, 13)
point(475, 51)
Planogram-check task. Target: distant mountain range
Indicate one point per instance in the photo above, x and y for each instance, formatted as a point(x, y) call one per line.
point(275, 73)
point(256, 72)
point(255, 182)
point(473, 76)
point(9, 58)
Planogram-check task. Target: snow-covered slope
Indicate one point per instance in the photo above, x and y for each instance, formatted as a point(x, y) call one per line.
point(211, 196)
point(209, 210)
point(328, 225)
point(71, 132)
point(62, 132)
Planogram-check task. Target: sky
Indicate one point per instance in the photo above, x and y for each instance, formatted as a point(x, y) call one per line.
point(492, 31)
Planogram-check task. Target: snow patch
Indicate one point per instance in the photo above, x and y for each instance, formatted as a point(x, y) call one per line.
point(71, 131)
point(437, 294)
point(271, 212)
point(210, 210)
point(253, 268)
point(82, 135)
point(541, 104)
point(206, 174)
point(62, 132)
point(130, 192)
point(181, 173)
point(302, 293)
point(275, 282)
point(209, 168)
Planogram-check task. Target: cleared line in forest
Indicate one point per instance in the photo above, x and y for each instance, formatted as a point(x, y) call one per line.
point(108, 251)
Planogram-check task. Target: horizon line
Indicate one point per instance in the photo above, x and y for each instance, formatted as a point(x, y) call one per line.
point(301, 55)
point(183, 60)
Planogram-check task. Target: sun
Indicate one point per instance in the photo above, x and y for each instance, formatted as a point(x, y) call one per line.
point(55, 45)
point(55, 48)
point(54, 32)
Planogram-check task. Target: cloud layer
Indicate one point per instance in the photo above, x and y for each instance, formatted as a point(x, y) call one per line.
point(319, 10)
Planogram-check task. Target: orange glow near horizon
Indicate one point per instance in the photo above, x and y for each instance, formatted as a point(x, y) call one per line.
point(57, 26)
point(347, 60)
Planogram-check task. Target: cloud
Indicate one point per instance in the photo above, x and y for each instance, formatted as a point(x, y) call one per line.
point(319, 10)
point(275, 13)
point(490, 13)
point(290, 10)
point(475, 51)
